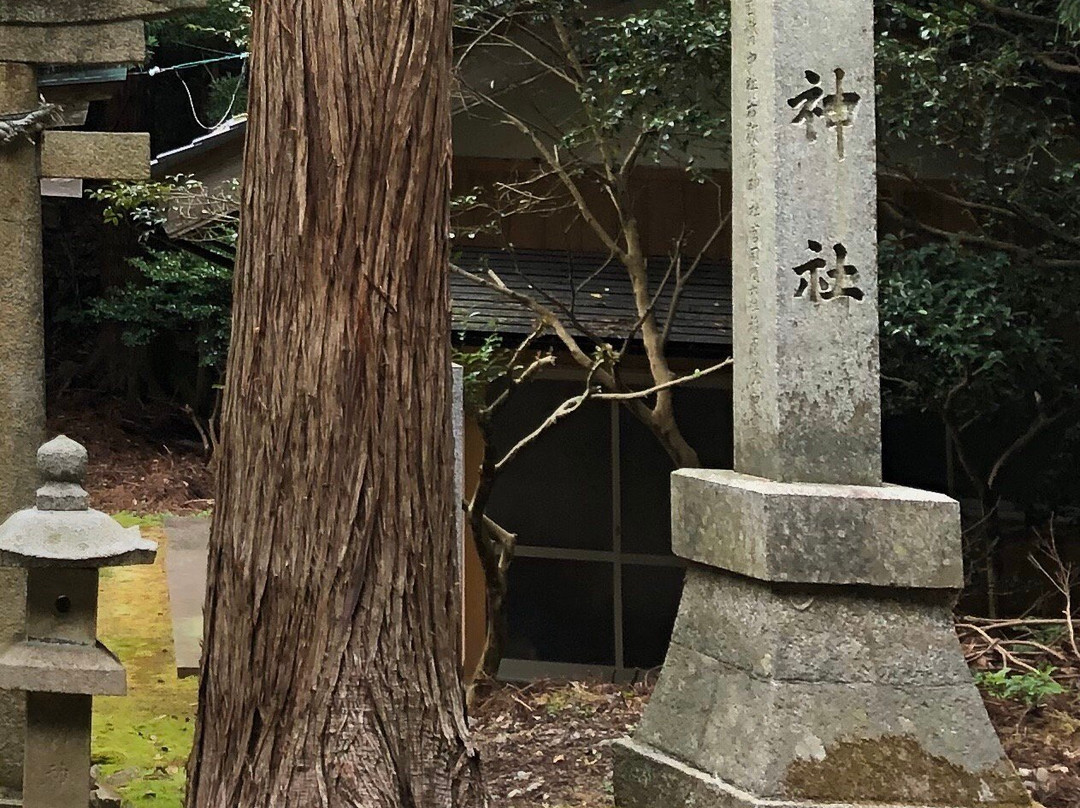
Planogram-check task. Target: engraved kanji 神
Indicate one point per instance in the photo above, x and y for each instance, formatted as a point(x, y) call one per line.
point(835, 110)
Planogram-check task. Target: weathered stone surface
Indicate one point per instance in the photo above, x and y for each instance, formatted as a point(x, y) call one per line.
point(647, 778)
point(96, 155)
point(458, 414)
point(62, 460)
point(22, 386)
point(53, 12)
point(185, 568)
point(105, 796)
point(831, 742)
point(57, 662)
point(40, 538)
point(834, 678)
point(815, 532)
point(50, 667)
point(58, 751)
point(92, 44)
point(12, 735)
point(62, 466)
point(62, 605)
point(806, 359)
point(819, 694)
point(821, 634)
point(62, 497)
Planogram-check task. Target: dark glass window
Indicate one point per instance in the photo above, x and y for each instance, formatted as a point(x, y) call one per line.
point(650, 602)
point(706, 419)
point(562, 496)
point(645, 477)
point(561, 611)
point(554, 493)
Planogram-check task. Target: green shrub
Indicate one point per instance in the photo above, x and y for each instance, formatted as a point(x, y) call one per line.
point(1032, 688)
point(179, 296)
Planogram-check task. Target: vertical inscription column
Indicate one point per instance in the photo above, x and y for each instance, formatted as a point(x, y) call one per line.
point(807, 402)
point(22, 406)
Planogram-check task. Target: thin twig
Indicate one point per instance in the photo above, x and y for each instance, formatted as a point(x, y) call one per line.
point(701, 374)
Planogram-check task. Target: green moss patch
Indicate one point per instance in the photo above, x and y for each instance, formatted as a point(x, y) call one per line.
point(142, 740)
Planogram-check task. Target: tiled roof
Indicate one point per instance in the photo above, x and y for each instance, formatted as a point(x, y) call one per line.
point(597, 292)
point(56, 76)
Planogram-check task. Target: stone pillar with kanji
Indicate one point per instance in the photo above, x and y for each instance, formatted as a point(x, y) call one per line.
point(813, 661)
point(35, 33)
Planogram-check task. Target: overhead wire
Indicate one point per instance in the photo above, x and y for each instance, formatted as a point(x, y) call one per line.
point(232, 101)
point(157, 71)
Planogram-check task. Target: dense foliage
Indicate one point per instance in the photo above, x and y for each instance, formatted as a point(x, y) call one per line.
point(972, 338)
point(178, 295)
point(658, 74)
point(980, 162)
point(1070, 13)
point(978, 110)
point(661, 70)
point(223, 23)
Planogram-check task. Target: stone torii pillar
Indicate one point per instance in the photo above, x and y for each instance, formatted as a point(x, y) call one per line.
point(32, 33)
point(813, 661)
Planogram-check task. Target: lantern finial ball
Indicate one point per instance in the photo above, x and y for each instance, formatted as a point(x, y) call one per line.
point(62, 460)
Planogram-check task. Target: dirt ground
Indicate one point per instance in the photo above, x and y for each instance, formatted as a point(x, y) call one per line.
point(1044, 745)
point(137, 465)
point(544, 744)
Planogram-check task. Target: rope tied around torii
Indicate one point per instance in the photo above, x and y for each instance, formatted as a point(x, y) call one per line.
point(28, 124)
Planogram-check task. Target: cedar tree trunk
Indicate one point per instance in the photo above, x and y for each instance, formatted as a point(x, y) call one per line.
point(330, 672)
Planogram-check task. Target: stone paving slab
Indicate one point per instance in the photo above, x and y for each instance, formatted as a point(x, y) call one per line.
point(185, 567)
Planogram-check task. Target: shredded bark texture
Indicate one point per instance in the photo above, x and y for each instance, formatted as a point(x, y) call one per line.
point(330, 673)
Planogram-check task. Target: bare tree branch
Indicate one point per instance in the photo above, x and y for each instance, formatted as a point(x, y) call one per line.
point(981, 241)
point(1041, 423)
point(1047, 60)
point(692, 377)
point(1016, 14)
point(684, 279)
point(565, 409)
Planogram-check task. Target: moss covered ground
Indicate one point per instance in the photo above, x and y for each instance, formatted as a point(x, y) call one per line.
point(141, 741)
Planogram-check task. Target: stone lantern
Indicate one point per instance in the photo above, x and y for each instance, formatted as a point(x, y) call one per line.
point(60, 664)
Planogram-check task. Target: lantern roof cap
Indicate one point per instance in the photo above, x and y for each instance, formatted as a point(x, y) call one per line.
point(62, 530)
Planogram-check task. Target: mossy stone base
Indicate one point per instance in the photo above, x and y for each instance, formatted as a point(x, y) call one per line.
point(647, 778)
point(825, 695)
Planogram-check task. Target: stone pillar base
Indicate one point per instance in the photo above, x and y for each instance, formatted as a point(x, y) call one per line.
point(647, 778)
point(817, 533)
point(814, 695)
point(57, 750)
